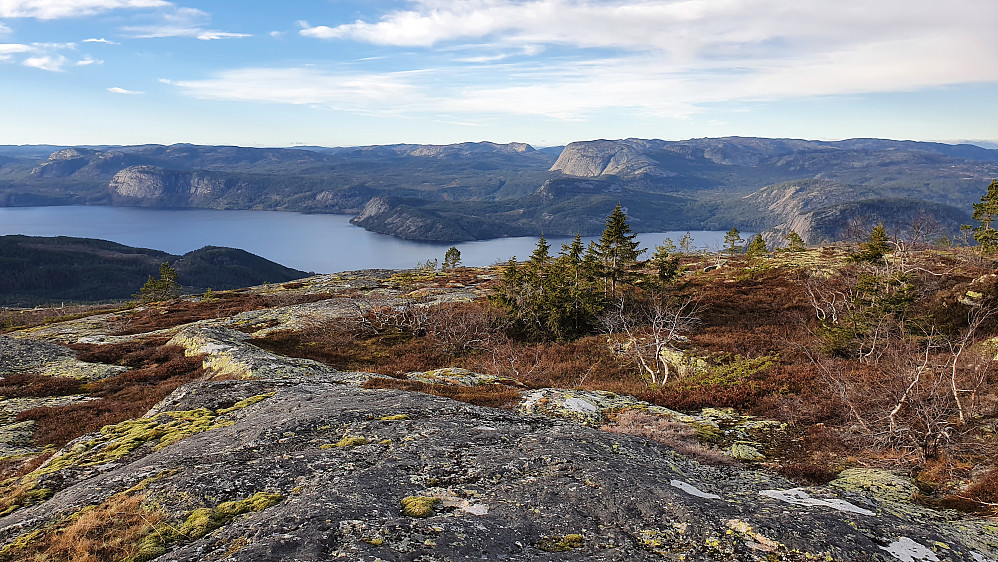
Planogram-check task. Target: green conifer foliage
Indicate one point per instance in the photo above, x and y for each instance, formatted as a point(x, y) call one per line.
point(617, 249)
point(162, 289)
point(794, 242)
point(452, 258)
point(757, 247)
point(665, 261)
point(877, 245)
point(686, 243)
point(986, 212)
point(733, 240)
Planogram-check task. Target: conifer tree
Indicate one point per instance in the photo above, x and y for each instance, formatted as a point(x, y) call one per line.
point(617, 248)
point(757, 247)
point(452, 258)
point(876, 246)
point(686, 243)
point(665, 261)
point(733, 240)
point(794, 242)
point(986, 212)
point(162, 289)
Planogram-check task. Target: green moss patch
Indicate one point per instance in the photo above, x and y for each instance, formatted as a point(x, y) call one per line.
point(199, 523)
point(560, 543)
point(164, 429)
point(419, 506)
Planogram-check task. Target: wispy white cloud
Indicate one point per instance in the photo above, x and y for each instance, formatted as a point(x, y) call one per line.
point(638, 82)
point(676, 27)
point(99, 40)
point(43, 56)
point(182, 22)
point(117, 90)
point(52, 63)
point(303, 86)
point(88, 60)
point(55, 9)
point(4, 30)
point(276, 34)
point(673, 57)
point(14, 48)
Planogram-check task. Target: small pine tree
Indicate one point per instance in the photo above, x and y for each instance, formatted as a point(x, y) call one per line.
point(794, 242)
point(686, 243)
point(452, 258)
point(986, 212)
point(665, 261)
point(757, 247)
point(733, 240)
point(877, 245)
point(162, 289)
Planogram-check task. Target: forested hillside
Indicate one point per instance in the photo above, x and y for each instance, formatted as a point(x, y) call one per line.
point(482, 190)
point(39, 270)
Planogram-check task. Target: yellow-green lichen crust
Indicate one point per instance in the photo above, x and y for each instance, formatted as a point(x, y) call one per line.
point(418, 506)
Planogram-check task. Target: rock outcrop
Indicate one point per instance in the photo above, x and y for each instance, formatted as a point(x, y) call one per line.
point(294, 460)
point(155, 186)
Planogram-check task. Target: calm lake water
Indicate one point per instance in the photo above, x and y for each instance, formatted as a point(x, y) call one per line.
point(319, 243)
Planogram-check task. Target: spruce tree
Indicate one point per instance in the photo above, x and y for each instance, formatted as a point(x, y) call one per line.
point(665, 261)
point(617, 248)
point(986, 212)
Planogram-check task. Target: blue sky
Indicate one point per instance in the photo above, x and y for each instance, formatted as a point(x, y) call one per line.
point(340, 72)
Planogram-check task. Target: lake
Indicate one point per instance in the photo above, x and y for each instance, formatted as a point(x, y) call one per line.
point(319, 243)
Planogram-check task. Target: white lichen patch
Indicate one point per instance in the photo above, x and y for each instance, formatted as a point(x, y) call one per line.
point(907, 550)
point(798, 496)
point(693, 490)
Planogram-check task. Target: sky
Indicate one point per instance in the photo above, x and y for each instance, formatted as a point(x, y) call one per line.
point(546, 72)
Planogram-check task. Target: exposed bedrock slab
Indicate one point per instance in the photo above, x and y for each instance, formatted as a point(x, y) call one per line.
point(479, 483)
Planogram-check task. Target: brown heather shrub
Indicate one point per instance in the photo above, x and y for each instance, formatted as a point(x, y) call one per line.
point(135, 353)
point(391, 352)
point(107, 532)
point(26, 385)
point(227, 303)
point(125, 396)
point(16, 319)
point(679, 437)
point(491, 395)
point(981, 496)
point(14, 467)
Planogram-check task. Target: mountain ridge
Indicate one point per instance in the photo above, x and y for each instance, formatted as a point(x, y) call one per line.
point(422, 192)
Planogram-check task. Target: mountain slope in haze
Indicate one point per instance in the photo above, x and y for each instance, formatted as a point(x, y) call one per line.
point(479, 190)
point(37, 270)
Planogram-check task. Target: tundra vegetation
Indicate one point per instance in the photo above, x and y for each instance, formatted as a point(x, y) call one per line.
point(873, 354)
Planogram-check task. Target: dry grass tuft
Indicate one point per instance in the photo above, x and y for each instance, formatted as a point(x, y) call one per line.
point(107, 532)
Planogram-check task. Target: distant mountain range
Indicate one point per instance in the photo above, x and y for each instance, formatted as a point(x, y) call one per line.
point(479, 190)
point(41, 270)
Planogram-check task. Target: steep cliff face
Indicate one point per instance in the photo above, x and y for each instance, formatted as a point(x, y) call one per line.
point(589, 159)
point(404, 221)
point(822, 211)
point(155, 186)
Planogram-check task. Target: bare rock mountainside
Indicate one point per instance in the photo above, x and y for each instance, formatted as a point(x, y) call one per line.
point(477, 190)
point(268, 457)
